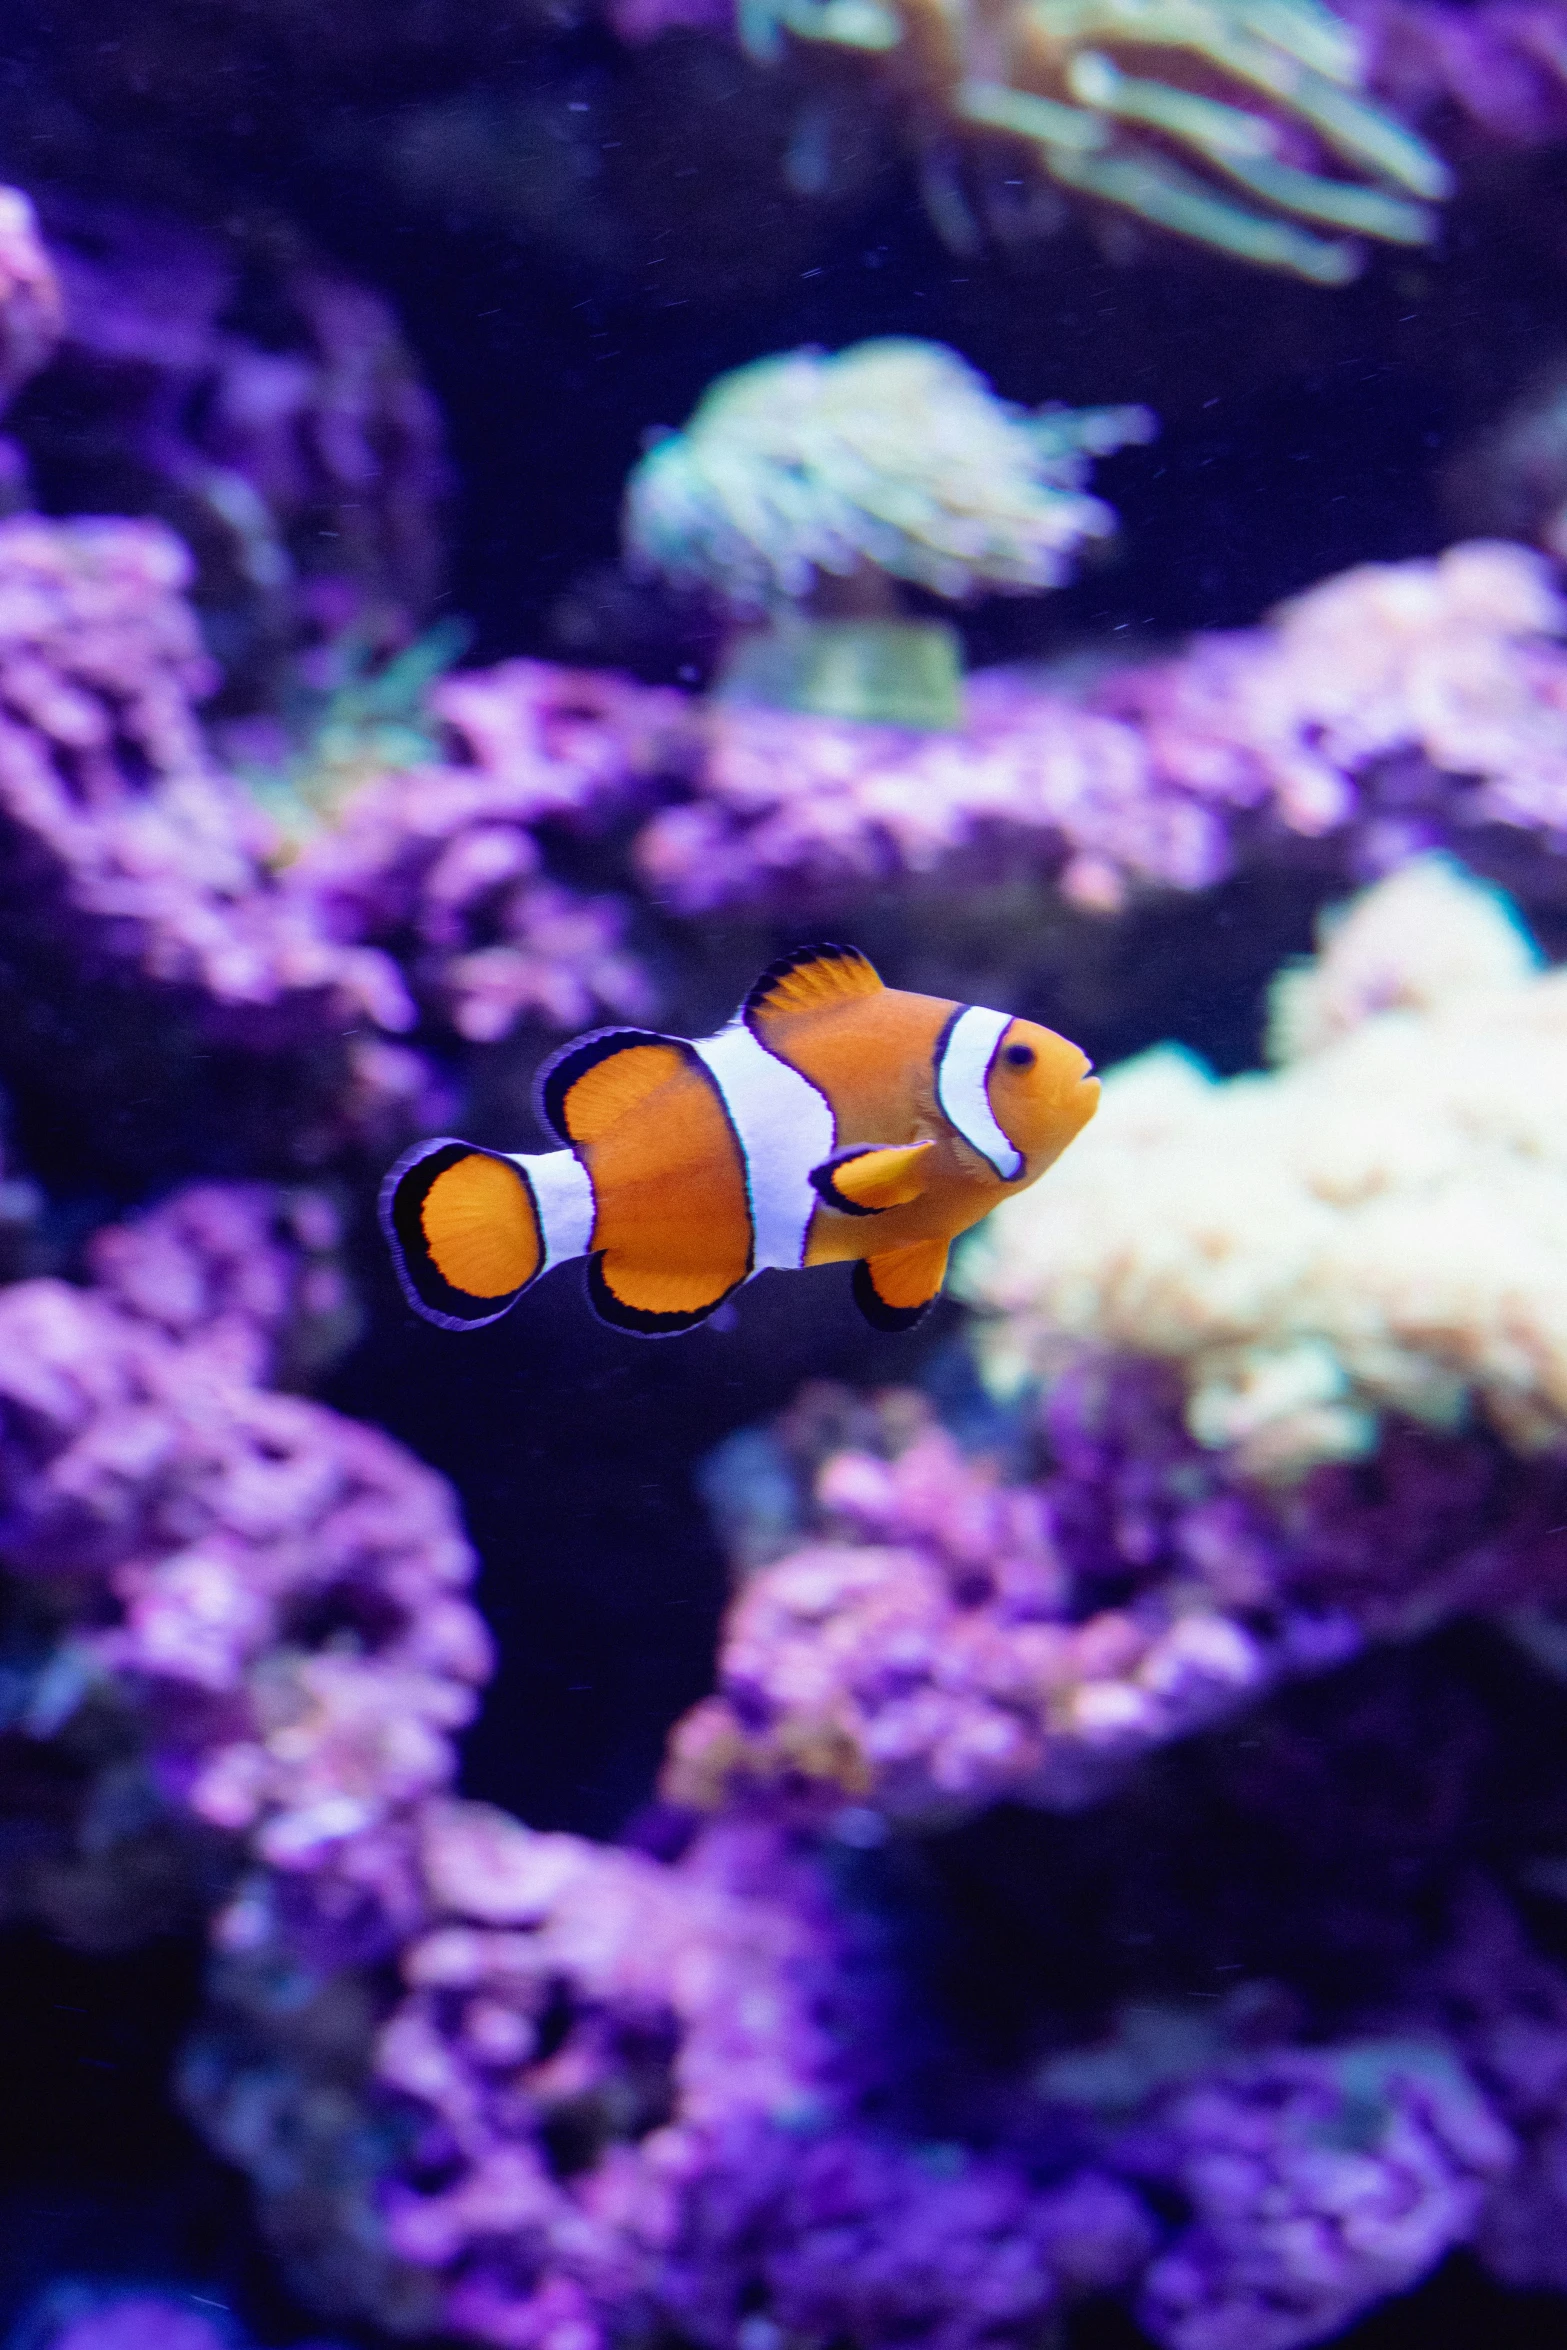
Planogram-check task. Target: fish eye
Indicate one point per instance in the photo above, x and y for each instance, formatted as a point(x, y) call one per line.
point(1019, 1056)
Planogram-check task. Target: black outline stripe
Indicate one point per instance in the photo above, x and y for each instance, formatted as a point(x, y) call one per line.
point(557, 1075)
point(826, 1190)
point(636, 1320)
point(404, 1189)
point(942, 1042)
point(875, 1308)
point(799, 959)
point(554, 1081)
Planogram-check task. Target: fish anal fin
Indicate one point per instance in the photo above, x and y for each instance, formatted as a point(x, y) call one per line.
point(464, 1232)
point(810, 979)
point(653, 1301)
point(894, 1289)
point(595, 1080)
point(866, 1178)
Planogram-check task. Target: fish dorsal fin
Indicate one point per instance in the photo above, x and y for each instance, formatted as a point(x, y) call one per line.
point(809, 979)
point(866, 1178)
point(597, 1078)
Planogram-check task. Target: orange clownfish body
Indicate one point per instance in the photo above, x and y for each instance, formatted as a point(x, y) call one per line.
point(834, 1119)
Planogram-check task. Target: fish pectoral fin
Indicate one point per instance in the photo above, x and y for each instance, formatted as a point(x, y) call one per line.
point(464, 1231)
point(809, 979)
point(866, 1178)
point(893, 1290)
point(654, 1301)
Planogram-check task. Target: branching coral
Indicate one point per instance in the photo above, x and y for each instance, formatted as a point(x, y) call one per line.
point(892, 455)
point(1244, 127)
point(1375, 1229)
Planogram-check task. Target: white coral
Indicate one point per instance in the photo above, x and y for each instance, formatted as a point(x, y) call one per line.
point(1382, 1225)
point(893, 454)
point(1430, 935)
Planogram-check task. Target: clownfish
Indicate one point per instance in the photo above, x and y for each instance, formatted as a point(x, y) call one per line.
point(833, 1119)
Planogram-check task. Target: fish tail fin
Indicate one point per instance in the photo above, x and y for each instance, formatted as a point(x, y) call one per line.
point(464, 1230)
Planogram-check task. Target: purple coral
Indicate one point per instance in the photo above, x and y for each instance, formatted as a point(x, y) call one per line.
point(863, 2236)
point(960, 1641)
point(440, 866)
point(303, 464)
point(108, 801)
point(579, 2025)
point(139, 899)
point(616, 2092)
point(1319, 2180)
point(272, 1594)
point(249, 1269)
point(1501, 66)
point(1395, 707)
point(78, 2314)
point(941, 1639)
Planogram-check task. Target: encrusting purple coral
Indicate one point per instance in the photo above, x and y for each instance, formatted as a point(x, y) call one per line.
point(106, 790)
point(263, 405)
point(617, 2093)
point(440, 865)
point(248, 1269)
point(1389, 710)
point(934, 1639)
point(140, 907)
point(614, 2093)
point(267, 1597)
point(1318, 2181)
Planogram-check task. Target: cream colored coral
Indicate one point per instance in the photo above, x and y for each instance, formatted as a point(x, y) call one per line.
point(894, 454)
point(1430, 935)
point(1381, 1225)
